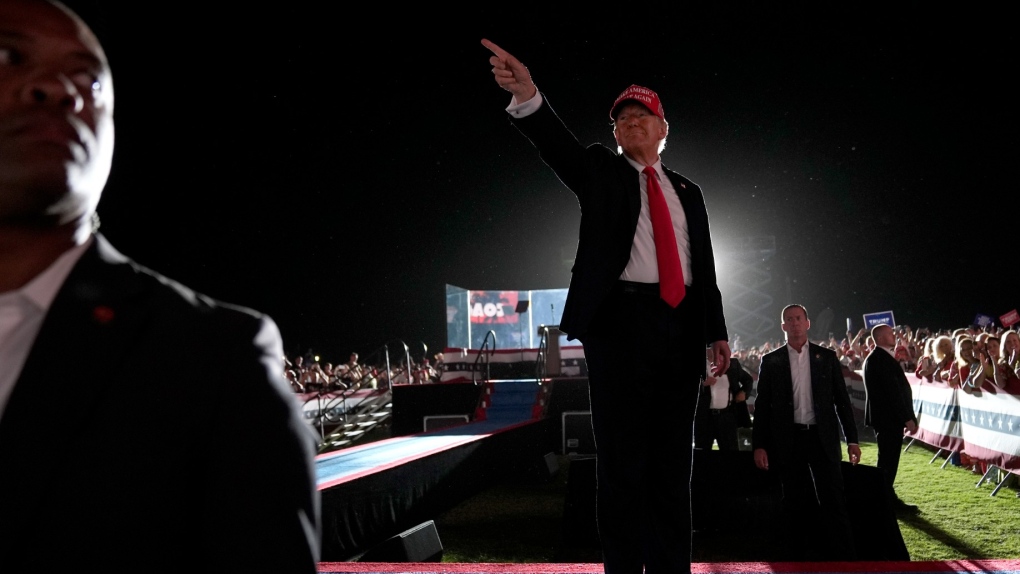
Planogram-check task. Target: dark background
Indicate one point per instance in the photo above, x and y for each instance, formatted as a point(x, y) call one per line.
point(337, 167)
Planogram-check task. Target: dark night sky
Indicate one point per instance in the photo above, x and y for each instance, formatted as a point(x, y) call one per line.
point(336, 170)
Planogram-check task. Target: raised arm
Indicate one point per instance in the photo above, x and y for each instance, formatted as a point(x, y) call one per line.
point(976, 378)
point(510, 73)
point(857, 344)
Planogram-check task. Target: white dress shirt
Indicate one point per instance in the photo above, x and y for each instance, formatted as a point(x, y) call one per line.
point(643, 266)
point(21, 316)
point(800, 373)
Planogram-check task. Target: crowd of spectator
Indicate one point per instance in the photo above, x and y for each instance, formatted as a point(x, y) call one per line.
point(308, 373)
point(966, 358)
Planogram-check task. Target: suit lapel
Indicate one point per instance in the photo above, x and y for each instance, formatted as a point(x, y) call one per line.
point(696, 228)
point(73, 363)
point(784, 361)
point(683, 192)
point(681, 188)
point(633, 183)
point(816, 367)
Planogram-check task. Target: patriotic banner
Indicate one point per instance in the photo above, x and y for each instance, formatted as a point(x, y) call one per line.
point(463, 365)
point(984, 424)
point(991, 426)
point(938, 414)
point(855, 386)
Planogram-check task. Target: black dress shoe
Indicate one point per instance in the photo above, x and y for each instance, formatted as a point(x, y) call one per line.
point(901, 507)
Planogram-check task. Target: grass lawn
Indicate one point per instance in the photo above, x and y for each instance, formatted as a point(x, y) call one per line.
point(523, 521)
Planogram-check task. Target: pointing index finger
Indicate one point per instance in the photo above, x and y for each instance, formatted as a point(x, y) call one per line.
point(499, 52)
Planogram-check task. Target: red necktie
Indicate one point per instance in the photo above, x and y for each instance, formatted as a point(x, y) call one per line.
point(671, 275)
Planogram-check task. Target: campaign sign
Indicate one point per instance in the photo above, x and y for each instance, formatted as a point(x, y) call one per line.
point(983, 320)
point(1010, 319)
point(880, 318)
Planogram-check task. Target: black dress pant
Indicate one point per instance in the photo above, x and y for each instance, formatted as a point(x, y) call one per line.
point(715, 425)
point(890, 445)
point(644, 377)
point(814, 502)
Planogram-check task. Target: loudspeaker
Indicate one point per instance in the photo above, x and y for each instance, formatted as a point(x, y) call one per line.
point(578, 436)
point(551, 464)
point(436, 422)
point(418, 544)
point(535, 470)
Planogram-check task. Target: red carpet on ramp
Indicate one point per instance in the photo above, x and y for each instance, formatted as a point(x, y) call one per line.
point(951, 566)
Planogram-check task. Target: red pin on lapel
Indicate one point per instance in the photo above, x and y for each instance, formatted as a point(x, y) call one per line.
point(102, 314)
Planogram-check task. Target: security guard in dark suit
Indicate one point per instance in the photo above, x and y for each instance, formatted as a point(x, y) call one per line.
point(889, 407)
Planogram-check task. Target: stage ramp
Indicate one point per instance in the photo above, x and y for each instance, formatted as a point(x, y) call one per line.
point(375, 491)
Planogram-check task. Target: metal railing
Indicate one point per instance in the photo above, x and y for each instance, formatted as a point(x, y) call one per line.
point(543, 353)
point(332, 409)
point(491, 335)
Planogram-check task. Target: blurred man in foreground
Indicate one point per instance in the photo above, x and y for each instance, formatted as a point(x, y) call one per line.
point(206, 464)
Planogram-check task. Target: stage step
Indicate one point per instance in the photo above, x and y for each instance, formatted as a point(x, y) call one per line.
point(367, 415)
point(512, 400)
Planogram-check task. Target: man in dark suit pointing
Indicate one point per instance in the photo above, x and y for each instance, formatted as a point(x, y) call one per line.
point(108, 464)
point(889, 407)
point(644, 302)
point(800, 412)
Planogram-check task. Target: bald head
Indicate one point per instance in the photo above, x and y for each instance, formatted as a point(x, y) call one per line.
point(884, 336)
point(56, 116)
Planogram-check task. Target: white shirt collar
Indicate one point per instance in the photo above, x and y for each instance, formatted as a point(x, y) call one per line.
point(657, 165)
point(43, 288)
point(795, 352)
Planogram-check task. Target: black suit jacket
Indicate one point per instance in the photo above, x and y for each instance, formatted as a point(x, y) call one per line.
point(608, 190)
point(889, 402)
point(740, 379)
point(773, 407)
point(151, 428)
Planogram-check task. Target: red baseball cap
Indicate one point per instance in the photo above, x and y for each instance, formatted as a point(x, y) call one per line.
point(641, 95)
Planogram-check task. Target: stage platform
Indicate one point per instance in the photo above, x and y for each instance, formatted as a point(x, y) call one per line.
point(954, 566)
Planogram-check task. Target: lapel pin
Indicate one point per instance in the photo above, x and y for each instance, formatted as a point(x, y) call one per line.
point(102, 314)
